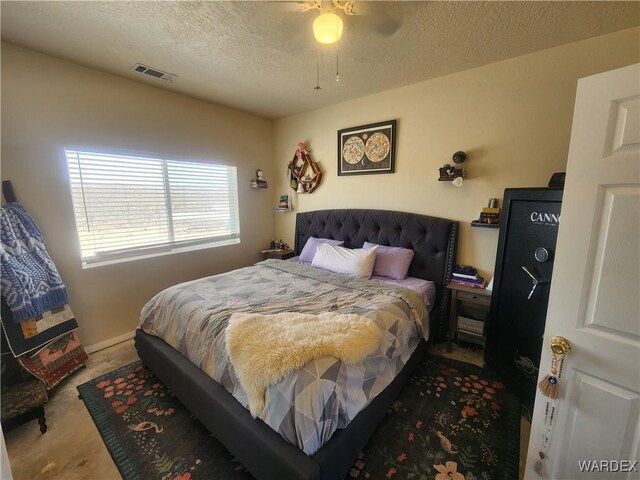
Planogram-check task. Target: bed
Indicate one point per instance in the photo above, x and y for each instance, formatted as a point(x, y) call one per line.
point(265, 453)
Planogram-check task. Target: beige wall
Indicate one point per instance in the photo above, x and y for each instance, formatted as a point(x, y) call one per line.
point(513, 118)
point(48, 103)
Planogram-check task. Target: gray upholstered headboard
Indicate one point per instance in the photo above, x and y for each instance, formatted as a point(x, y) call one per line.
point(434, 241)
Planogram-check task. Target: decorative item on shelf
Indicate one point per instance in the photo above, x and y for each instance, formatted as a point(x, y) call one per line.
point(259, 181)
point(283, 204)
point(279, 249)
point(279, 245)
point(281, 252)
point(455, 175)
point(489, 216)
point(367, 149)
point(303, 173)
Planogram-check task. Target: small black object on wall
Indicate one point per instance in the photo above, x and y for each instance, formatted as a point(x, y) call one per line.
point(522, 278)
point(7, 191)
point(557, 180)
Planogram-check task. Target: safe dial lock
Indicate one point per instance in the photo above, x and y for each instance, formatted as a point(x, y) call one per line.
point(542, 254)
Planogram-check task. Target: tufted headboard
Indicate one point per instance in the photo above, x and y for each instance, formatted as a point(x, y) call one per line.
point(434, 241)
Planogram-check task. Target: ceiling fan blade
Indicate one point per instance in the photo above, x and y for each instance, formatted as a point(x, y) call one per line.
point(386, 25)
point(378, 17)
point(368, 16)
point(383, 25)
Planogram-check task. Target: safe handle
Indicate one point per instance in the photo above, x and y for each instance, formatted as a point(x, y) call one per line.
point(534, 280)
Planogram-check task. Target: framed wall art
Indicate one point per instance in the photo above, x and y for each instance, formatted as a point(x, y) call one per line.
point(367, 149)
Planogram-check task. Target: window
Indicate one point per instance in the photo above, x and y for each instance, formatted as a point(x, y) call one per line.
point(131, 206)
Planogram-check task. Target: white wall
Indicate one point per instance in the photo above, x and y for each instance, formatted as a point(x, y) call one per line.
point(48, 103)
point(513, 118)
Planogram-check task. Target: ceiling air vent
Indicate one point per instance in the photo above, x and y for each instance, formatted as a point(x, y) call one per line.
point(153, 72)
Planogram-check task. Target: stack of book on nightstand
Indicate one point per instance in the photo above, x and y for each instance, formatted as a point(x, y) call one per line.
point(467, 276)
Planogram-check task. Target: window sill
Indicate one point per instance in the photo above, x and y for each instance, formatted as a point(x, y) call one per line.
point(132, 258)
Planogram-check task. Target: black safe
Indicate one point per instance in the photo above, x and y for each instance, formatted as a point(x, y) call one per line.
point(522, 278)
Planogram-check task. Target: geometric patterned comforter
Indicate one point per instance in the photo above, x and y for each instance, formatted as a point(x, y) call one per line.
point(308, 406)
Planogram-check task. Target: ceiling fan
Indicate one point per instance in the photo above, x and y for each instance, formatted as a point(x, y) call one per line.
point(328, 25)
point(347, 7)
point(374, 17)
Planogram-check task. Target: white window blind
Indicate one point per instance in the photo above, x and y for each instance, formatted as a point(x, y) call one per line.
point(131, 206)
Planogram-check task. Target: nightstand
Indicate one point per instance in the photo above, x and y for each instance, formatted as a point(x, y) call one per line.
point(469, 312)
point(279, 254)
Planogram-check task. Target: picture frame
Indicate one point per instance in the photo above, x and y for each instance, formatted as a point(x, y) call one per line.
point(367, 149)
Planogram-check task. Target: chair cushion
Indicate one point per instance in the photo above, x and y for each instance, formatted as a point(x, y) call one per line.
point(22, 397)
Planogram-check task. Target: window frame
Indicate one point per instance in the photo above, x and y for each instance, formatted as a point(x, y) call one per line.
point(159, 249)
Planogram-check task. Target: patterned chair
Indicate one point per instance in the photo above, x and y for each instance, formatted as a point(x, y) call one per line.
point(22, 402)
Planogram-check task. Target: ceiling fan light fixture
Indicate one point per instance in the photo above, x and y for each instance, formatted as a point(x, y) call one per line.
point(327, 28)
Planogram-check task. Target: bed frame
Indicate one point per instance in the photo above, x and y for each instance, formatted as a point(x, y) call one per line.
point(262, 450)
point(434, 241)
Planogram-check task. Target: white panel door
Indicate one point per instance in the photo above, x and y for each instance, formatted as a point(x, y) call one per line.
point(595, 295)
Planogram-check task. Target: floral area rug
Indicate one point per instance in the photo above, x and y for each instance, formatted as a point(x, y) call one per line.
point(452, 421)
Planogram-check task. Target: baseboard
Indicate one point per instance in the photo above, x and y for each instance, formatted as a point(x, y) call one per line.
point(108, 343)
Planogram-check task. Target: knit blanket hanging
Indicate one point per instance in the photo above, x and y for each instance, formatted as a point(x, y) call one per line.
point(31, 284)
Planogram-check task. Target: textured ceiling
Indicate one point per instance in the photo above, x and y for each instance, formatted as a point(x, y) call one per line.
point(260, 57)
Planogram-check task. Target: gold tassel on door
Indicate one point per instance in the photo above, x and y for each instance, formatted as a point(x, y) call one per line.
point(549, 385)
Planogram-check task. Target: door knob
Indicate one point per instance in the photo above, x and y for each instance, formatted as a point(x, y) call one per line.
point(560, 345)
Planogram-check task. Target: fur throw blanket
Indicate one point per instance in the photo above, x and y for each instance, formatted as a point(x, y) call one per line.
point(265, 348)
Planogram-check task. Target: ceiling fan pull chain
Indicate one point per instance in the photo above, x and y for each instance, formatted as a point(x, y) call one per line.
point(337, 49)
point(317, 88)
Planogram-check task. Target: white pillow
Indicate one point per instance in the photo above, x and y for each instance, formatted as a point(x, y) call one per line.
point(354, 262)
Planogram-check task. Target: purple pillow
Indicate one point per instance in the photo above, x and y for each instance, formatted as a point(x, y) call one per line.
point(309, 250)
point(391, 262)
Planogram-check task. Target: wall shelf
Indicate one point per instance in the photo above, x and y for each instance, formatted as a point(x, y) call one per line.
point(485, 225)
